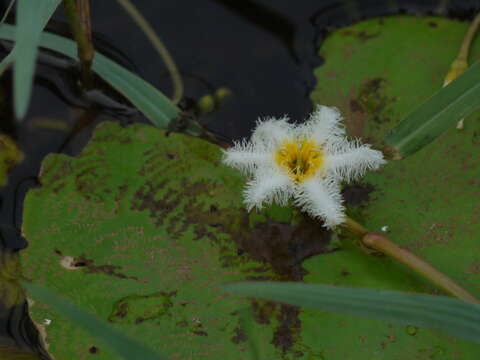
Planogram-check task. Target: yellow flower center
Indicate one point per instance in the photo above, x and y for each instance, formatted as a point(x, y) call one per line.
point(300, 158)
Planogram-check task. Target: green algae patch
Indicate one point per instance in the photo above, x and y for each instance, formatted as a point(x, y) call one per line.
point(10, 156)
point(141, 228)
point(137, 309)
point(17, 354)
point(11, 292)
point(427, 201)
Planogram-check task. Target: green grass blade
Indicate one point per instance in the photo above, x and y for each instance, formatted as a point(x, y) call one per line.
point(454, 317)
point(151, 102)
point(32, 16)
point(439, 113)
point(124, 346)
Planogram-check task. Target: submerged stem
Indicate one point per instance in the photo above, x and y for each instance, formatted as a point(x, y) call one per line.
point(384, 245)
point(79, 19)
point(468, 39)
point(7, 12)
point(354, 227)
point(460, 64)
point(159, 47)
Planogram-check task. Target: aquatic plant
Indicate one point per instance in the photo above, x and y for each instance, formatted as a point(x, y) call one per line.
point(307, 162)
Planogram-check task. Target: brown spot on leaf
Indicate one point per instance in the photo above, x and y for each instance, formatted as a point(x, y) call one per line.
point(361, 35)
point(289, 330)
point(476, 138)
point(239, 336)
point(137, 309)
point(436, 233)
point(89, 267)
point(284, 246)
point(263, 311)
point(344, 272)
point(373, 101)
point(356, 194)
point(200, 332)
point(275, 245)
point(60, 167)
point(355, 106)
point(144, 199)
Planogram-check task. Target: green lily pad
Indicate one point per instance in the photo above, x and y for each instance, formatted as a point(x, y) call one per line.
point(376, 72)
point(141, 227)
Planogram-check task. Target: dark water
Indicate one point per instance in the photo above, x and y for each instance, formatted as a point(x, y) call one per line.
point(264, 52)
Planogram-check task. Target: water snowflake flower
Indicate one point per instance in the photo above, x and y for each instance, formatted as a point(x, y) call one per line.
point(306, 162)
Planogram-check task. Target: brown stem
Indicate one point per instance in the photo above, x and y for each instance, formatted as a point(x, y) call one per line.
point(468, 39)
point(460, 64)
point(78, 13)
point(159, 47)
point(384, 245)
point(354, 227)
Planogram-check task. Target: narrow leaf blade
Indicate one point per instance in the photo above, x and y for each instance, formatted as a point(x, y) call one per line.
point(439, 113)
point(454, 317)
point(123, 345)
point(32, 16)
point(151, 102)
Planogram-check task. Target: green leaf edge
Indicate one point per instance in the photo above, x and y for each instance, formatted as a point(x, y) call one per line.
point(451, 316)
point(123, 345)
point(436, 115)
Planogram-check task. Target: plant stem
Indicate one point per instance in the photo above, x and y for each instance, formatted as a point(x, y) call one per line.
point(467, 40)
point(354, 227)
point(384, 245)
point(460, 64)
point(79, 18)
point(159, 47)
point(9, 8)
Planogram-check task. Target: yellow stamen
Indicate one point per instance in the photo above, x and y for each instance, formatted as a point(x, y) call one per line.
point(301, 159)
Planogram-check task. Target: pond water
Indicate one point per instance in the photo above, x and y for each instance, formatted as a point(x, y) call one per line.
point(263, 54)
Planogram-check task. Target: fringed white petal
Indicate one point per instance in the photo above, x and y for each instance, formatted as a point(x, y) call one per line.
point(271, 132)
point(267, 187)
point(352, 160)
point(247, 157)
point(323, 126)
point(321, 198)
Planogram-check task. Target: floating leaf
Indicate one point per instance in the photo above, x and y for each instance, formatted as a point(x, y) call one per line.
point(147, 226)
point(376, 72)
point(438, 114)
point(141, 228)
point(119, 343)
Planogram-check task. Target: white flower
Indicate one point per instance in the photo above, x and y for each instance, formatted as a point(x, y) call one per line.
point(306, 162)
